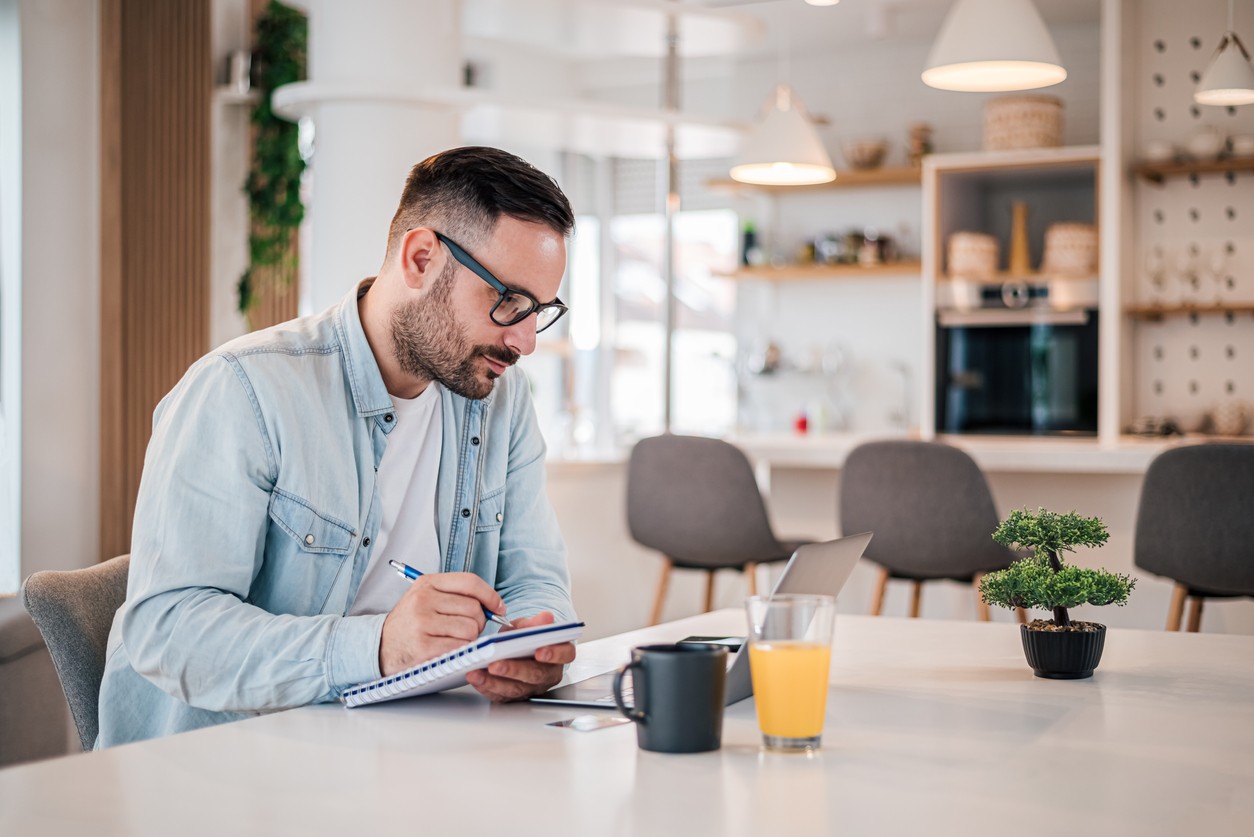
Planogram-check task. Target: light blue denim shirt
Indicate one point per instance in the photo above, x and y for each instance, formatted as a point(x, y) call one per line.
point(256, 517)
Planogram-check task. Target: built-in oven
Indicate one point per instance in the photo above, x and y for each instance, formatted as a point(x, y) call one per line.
point(1017, 370)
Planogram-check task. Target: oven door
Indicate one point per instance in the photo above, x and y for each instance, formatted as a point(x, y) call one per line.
point(1017, 371)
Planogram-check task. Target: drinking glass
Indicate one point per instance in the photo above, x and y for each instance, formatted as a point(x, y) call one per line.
point(1216, 263)
point(790, 649)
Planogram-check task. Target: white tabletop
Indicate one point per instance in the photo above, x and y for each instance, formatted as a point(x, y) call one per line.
point(933, 727)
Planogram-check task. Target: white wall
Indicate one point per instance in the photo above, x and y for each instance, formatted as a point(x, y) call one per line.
point(60, 283)
point(229, 147)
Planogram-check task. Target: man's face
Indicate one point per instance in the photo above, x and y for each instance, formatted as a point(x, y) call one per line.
point(448, 335)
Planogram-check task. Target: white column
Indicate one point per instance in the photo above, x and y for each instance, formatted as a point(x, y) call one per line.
point(379, 71)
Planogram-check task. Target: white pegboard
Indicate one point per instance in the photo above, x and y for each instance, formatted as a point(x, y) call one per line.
point(1194, 235)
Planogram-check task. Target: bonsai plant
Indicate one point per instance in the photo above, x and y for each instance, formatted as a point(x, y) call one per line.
point(1061, 648)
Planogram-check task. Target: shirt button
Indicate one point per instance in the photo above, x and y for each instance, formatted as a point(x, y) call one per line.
point(309, 539)
point(388, 418)
point(365, 541)
point(499, 517)
point(474, 440)
point(465, 512)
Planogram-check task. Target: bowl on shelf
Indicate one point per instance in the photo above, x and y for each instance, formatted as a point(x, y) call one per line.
point(1242, 145)
point(864, 154)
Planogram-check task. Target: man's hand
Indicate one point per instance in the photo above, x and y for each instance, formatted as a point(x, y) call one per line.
point(438, 613)
point(520, 678)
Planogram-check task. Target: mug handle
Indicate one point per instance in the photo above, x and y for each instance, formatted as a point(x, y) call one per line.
point(630, 711)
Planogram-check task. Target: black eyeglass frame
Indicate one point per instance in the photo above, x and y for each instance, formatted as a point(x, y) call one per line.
point(535, 306)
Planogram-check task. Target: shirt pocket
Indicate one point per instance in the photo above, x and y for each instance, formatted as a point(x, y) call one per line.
point(313, 531)
point(491, 511)
point(304, 555)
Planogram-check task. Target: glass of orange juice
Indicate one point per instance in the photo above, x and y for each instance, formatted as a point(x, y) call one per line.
point(790, 651)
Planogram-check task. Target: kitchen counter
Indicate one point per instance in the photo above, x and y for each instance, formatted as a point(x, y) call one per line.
point(1022, 454)
point(1012, 454)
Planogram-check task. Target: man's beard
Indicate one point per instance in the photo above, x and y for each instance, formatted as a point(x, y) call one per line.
point(429, 342)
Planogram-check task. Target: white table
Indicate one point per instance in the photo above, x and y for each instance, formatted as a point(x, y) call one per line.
point(933, 728)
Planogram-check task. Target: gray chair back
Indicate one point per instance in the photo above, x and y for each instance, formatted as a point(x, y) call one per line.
point(696, 501)
point(929, 506)
point(1195, 521)
point(74, 611)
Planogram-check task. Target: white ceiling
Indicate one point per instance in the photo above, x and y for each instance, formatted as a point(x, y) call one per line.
point(807, 28)
point(609, 29)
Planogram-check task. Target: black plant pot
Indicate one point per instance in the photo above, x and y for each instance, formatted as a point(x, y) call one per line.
point(1063, 655)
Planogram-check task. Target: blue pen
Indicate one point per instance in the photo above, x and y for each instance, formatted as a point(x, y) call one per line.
point(410, 573)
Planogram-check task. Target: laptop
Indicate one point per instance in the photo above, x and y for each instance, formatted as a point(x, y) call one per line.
point(819, 568)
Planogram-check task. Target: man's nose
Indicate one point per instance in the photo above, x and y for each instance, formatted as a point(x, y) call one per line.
point(521, 336)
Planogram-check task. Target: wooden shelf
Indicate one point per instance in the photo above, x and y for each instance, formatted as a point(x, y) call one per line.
point(827, 271)
point(1158, 172)
point(1001, 277)
point(849, 179)
point(1158, 312)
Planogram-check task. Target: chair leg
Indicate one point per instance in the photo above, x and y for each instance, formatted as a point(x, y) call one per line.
point(981, 608)
point(751, 577)
point(877, 598)
point(1175, 612)
point(916, 599)
point(709, 591)
point(1195, 614)
point(663, 584)
point(1022, 615)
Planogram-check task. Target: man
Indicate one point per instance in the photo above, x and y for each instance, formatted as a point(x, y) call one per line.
point(290, 465)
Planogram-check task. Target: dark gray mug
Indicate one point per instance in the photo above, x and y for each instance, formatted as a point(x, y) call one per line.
point(677, 700)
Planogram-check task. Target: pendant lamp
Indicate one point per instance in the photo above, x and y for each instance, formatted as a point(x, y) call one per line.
point(993, 45)
point(1229, 80)
point(784, 149)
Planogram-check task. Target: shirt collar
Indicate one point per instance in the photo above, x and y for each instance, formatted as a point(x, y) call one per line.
point(370, 395)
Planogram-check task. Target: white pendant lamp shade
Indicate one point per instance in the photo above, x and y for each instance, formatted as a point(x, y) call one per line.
point(1229, 80)
point(784, 149)
point(993, 45)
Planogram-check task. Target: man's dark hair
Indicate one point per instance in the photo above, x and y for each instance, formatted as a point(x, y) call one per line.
point(464, 192)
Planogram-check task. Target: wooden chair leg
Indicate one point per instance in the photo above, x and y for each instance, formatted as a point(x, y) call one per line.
point(877, 597)
point(1195, 614)
point(709, 591)
point(751, 578)
point(1022, 615)
point(663, 584)
point(1175, 612)
point(916, 599)
point(981, 609)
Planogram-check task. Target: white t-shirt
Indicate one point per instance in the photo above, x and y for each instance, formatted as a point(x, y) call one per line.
point(408, 472)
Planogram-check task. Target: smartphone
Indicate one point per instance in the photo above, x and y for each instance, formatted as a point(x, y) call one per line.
point(733, 643)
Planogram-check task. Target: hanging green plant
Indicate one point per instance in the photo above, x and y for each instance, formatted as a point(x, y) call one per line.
point(273, 186)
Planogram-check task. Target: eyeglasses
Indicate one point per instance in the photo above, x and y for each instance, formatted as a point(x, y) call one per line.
point(512, 306)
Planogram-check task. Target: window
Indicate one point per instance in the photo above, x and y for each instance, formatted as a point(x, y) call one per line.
point(10, 298)
point(599, 381)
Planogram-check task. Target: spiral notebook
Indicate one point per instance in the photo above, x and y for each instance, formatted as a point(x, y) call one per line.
point(449, 671)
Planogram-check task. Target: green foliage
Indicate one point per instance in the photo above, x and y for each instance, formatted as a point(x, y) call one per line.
point(1049, 532)
point(273, 185)
point(1031, 582)
point(1041, 580)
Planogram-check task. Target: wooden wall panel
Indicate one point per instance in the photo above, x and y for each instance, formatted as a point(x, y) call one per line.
point(277, 293)
point(156, 76)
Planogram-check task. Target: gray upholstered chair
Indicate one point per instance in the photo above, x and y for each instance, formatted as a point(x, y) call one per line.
point(74, 611)
point(1195, 525)
point(695, 500)
point(931, 511)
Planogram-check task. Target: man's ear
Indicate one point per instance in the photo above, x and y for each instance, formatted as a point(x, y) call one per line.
point(421, 258)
